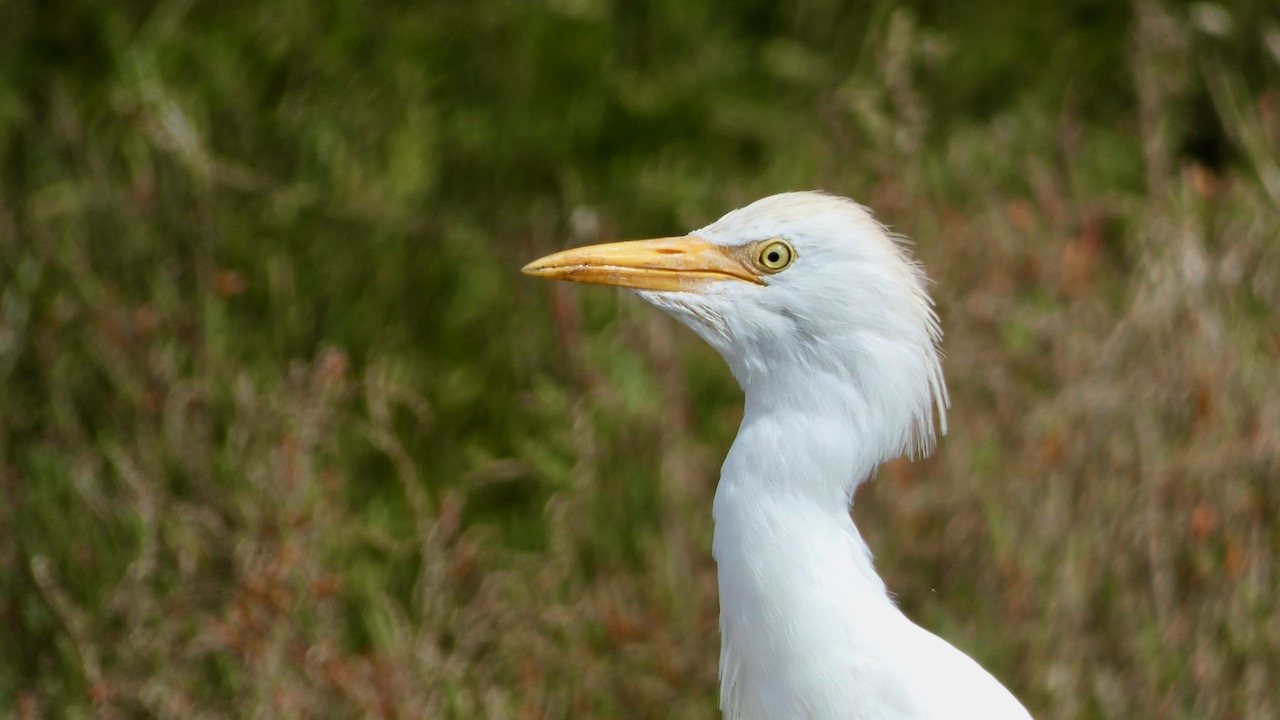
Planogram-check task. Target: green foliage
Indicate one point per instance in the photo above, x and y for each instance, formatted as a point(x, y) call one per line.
point(283, 432)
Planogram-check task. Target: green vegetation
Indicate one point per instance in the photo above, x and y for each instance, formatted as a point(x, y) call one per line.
point(284, 433)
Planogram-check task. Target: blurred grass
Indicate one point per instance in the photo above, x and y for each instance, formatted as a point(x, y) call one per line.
point(284, 433)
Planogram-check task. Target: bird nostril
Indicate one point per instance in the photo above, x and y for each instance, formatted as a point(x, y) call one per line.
point(669, 251)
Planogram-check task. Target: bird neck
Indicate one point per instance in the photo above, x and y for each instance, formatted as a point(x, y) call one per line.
point(804, 452)
point(799, 595)
point(815, 432)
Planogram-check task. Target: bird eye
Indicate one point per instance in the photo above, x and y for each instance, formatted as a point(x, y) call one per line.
point(775, 255)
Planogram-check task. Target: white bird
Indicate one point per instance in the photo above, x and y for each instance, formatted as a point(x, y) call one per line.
point(827, 324)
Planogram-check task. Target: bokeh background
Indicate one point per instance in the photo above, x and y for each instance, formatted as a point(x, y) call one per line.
point(284, 432)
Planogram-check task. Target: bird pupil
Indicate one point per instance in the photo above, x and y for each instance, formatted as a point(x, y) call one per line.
point(773, 256)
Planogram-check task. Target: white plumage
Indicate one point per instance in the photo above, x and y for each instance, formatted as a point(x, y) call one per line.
point(827, 324)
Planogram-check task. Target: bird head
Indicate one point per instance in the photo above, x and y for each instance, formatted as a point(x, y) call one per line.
point(809, 300)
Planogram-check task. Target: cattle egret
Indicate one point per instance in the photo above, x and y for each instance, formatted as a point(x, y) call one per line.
point(827, 324)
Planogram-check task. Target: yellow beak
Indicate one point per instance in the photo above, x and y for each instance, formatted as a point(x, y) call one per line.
point(681, 264)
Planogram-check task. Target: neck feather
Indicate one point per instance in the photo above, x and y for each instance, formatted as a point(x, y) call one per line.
point(799, 595)
point(818, 431)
